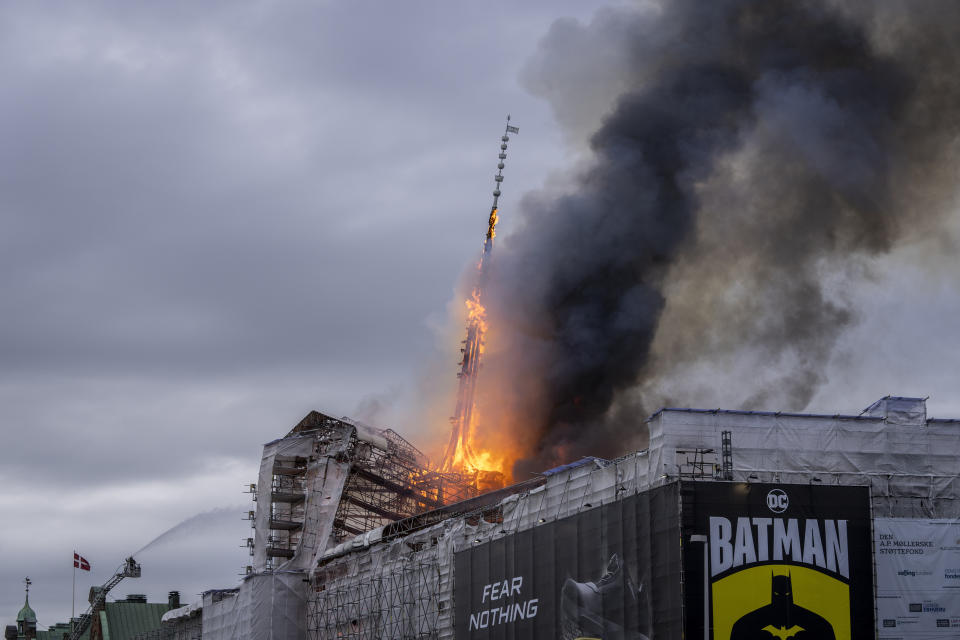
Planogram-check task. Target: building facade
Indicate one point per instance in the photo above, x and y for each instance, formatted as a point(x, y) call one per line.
point(730, 523)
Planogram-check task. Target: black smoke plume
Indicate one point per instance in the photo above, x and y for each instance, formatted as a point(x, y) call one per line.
point(748, 150)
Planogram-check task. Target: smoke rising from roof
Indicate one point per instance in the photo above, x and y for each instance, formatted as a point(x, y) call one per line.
point(750, 155)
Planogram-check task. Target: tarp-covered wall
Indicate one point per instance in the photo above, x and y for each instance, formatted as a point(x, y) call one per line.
point(322, 485)
point(183, 623)
point(908, 460)
point(368, 588)
point(294, 446)
point(373, 587)
point(269, 606)
point(271, 602)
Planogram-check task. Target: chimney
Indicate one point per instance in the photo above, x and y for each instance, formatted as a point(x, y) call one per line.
point(173, 599)
point(899, 411)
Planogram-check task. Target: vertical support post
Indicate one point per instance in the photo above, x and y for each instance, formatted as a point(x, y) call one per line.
point(706, 583)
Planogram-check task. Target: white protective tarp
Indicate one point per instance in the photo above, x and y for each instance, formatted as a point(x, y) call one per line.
point(182, 612)
point(368, 434)
point(294, 446)
point(269, 606)
point(909, 461)
point(323, 484)
point(918, 578)
point(903, 411)
point(221, 614)
point(271, 603)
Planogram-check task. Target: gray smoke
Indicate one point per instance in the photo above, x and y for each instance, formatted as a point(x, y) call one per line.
point(750, 154)
point(374, 407)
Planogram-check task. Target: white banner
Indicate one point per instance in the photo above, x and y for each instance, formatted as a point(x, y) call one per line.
point(918, 578)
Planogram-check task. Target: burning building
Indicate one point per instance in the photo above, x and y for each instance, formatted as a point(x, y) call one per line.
point(694, 536)
point(683, 539)
point(325, 482)
point(745, 150)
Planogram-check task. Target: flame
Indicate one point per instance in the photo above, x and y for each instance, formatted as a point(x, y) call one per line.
point(470, 454)
point(477, 317)
point(475, 449)
point(492, 224)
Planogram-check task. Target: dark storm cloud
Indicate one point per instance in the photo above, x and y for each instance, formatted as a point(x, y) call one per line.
point(193, 196)
point(248, 196)
point(215, 217)
point(754, 147)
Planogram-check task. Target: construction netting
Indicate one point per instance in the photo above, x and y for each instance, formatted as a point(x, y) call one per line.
point(400, 581)
point(297, 497)
point(404, 586)
point(908, 461)
point(267, 606)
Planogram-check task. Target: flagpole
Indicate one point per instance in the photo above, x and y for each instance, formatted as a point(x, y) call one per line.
point(73, 597)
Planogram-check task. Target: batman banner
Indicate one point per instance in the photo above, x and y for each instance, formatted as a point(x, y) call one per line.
point(777, 562)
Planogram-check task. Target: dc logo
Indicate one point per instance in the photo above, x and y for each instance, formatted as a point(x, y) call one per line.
point(777, 500)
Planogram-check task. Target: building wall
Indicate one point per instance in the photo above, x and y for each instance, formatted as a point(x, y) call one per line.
point(907, 460)
point(405, 586)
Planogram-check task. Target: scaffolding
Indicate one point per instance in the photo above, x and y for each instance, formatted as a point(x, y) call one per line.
point(331, 479)
point(392, 484)
point(400, 600)
point(726, 469)
point(697, 464)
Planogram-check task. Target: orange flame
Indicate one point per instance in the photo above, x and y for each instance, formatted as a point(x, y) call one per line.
point(492, 224)
point(476, 449)
point(473, 454)
point(477, 317)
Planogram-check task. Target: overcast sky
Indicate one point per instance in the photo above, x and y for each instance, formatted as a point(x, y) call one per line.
point(217, 216)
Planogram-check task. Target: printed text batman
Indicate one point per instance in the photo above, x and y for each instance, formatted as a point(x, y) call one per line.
point(821, 543)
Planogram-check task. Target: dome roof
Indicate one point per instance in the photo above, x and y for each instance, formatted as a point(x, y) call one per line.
point(26, 614)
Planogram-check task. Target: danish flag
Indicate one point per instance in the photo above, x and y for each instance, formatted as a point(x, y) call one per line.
point(79, 562)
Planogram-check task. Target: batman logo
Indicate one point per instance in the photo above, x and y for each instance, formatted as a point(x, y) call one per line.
point(782, 618)
point(783, 634)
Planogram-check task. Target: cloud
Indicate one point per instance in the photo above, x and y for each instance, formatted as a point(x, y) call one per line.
point(214, 218)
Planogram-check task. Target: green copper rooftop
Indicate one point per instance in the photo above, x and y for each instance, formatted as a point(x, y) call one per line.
point(123, 620)
point(26, 614)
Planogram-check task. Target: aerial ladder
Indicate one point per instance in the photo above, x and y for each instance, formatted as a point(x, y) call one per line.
point(129, 569)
